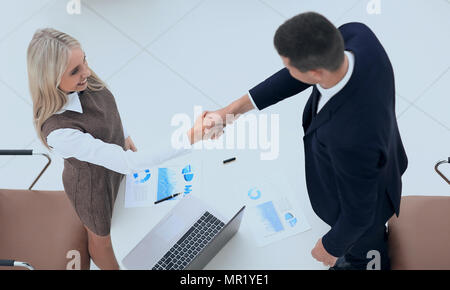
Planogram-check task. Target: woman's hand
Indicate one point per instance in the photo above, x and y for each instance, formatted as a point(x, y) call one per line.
point(197, 132)
point(129, 145)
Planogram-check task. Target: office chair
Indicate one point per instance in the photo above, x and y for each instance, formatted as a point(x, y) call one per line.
point(419, 239)
point(40, 229)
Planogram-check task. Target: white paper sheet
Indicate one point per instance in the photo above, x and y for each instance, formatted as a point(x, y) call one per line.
point(145, 187)
point(273, 212)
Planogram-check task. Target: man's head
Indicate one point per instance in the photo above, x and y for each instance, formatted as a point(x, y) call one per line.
point(310, 46)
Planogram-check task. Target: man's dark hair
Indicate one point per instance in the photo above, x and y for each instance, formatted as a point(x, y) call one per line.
point(310, 41)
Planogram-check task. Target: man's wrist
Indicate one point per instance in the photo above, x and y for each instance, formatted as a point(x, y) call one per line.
point(228, 110)
point(330, 247)
point(231, 112)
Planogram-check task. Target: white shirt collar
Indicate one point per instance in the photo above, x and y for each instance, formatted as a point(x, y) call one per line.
point(328, 93)
point(73, 104)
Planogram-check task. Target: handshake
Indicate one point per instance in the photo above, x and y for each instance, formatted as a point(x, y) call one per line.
point(210, 125)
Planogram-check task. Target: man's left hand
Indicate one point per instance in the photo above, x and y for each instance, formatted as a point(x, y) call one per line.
point(320, 254)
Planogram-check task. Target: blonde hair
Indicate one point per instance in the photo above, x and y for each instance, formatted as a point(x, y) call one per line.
point(47, 59)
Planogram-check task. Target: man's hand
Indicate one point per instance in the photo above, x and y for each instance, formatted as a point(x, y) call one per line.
point(129, 145)
point(320, 254)
point(216, 121)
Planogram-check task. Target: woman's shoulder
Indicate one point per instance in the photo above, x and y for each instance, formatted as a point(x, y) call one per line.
point(57, 121)
point(99, 91)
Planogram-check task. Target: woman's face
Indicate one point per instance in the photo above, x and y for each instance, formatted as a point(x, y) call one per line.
point(75, 77)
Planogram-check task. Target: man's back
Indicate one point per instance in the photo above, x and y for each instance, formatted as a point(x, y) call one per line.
point(353, 151)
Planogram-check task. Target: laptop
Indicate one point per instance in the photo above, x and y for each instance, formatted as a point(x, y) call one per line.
point(187, 238)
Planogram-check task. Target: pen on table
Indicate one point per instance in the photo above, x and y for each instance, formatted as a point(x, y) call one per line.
point(229, 160)
point(168, 197)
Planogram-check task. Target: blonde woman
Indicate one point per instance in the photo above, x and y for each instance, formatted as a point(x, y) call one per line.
point(75, 115)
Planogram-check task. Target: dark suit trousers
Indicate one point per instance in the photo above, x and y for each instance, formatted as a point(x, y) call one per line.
point(375, 238)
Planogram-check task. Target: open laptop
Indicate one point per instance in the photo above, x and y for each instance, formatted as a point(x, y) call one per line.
point(187, 238)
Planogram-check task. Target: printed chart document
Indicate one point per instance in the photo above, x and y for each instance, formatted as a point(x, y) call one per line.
point(273, 212)
point(145, 187)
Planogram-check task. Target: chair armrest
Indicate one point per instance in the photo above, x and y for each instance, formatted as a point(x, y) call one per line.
point(28, 152)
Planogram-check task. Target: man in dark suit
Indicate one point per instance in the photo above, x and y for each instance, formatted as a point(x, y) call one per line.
point(354, 156)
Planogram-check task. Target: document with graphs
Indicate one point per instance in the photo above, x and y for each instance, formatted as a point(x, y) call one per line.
point(145, 187)
point(273, 212)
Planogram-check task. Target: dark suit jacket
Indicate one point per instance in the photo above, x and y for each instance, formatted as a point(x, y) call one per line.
point(353, 150)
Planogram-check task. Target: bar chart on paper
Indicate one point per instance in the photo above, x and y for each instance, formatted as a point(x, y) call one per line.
point(273, 213)
point(174, 180)
point(145, 187)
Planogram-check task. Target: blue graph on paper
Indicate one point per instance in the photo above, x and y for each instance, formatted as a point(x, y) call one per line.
point(291, 219)
point(142, 180)
point(171, 181)
point(188, 176)
point(254, 193)
point(187, 173)
point(166, 183)
point(269, 216)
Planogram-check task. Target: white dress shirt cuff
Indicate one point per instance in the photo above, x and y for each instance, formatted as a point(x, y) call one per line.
point(253, 102)
point(125, 133)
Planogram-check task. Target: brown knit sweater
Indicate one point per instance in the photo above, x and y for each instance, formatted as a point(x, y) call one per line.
point(91, 188)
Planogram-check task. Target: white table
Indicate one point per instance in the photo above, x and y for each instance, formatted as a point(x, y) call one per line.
point(130, 225)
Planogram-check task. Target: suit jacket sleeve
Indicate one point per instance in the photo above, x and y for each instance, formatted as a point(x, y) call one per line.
point(276, 88)
point(357, 172)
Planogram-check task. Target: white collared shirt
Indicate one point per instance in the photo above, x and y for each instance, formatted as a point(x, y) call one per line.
point(68, 142)
point(327, 94)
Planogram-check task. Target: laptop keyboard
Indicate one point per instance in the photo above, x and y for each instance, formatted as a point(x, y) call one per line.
point(191, 243)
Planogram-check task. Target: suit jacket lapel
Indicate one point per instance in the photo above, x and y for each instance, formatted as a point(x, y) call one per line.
point(311, 120)
point(328, 109)
point(308, 113)
point(331, 107)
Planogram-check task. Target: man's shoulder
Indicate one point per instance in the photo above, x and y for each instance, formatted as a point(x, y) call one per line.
point(357, 33)
point(354, 27)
